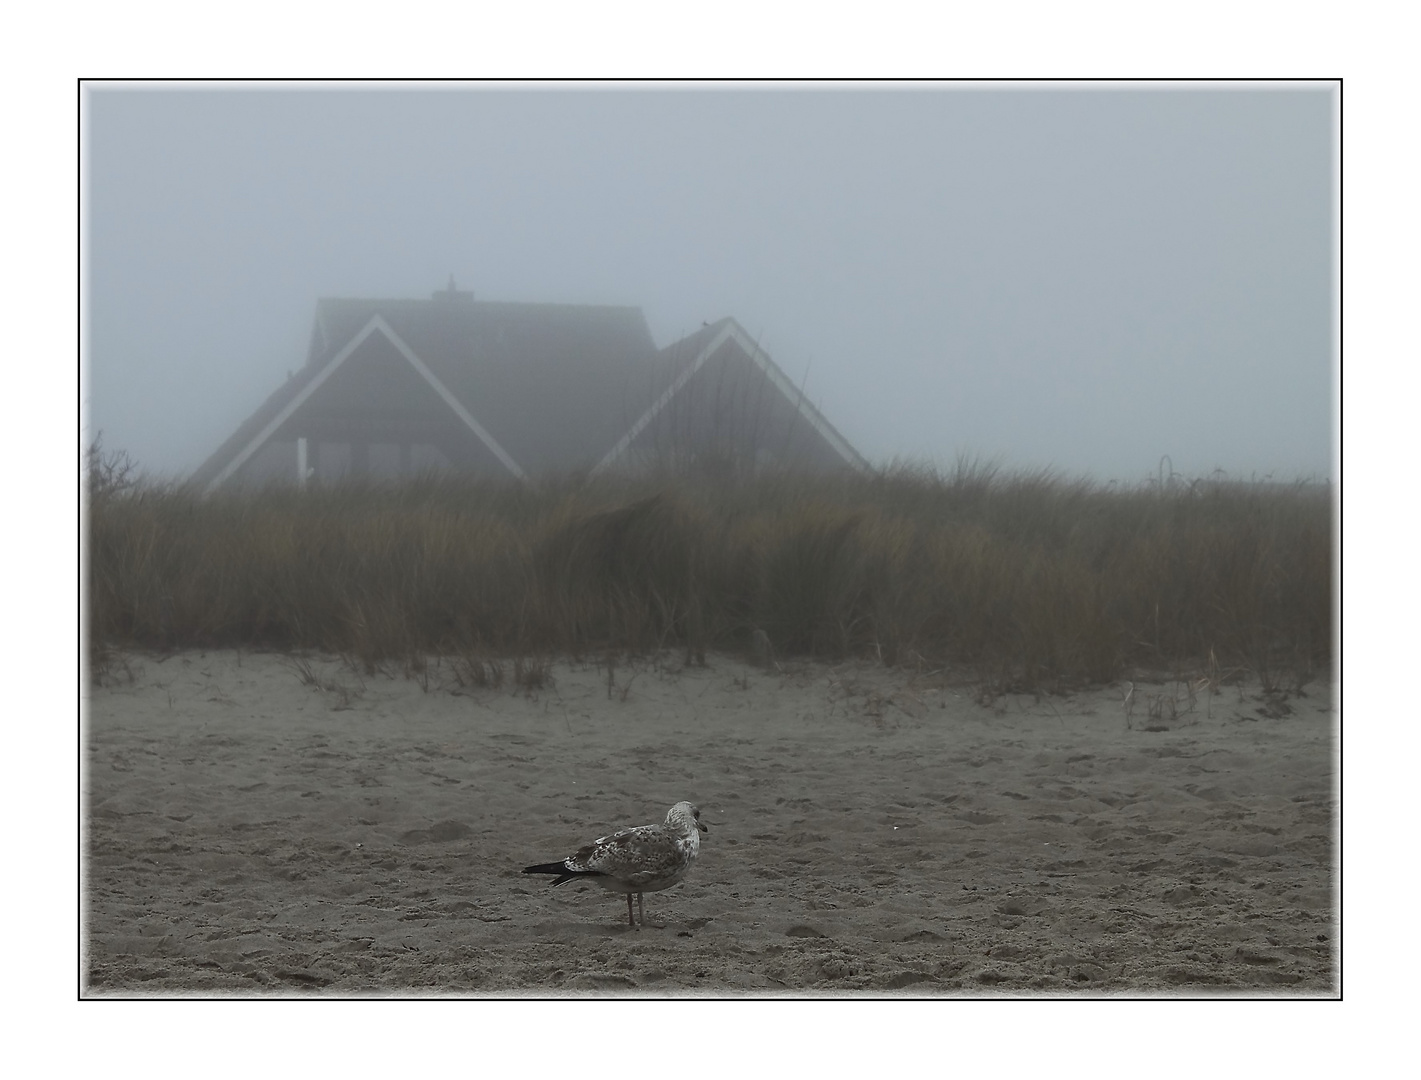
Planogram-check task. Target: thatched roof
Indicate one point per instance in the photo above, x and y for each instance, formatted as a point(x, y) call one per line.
point(544, 387)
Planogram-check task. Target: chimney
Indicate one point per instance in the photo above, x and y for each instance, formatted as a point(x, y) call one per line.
point(452, 293)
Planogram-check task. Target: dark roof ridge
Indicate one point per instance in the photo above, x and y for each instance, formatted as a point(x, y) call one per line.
point(375, 300)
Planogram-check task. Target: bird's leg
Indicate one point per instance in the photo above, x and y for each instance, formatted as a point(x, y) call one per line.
point(641, 908)
point(630, 920)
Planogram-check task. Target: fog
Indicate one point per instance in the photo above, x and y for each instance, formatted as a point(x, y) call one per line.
point(1084, 279)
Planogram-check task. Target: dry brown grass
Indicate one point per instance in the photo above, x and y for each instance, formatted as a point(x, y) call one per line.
point(1023, 581)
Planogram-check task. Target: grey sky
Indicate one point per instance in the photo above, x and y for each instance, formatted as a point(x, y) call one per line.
point(1085, 279)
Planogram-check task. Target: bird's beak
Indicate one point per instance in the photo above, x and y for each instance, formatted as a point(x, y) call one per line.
point(703, 826)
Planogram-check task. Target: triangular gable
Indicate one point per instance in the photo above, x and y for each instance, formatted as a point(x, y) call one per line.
point(732, 331)
point(554, 384)
point(377, 324)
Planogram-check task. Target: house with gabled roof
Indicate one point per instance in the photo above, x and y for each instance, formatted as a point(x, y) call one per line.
point(391, 388)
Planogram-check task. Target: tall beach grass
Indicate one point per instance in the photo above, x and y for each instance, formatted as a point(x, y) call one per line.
point(1022, 580)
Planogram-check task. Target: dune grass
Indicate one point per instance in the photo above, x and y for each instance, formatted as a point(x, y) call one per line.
point(1019, 580)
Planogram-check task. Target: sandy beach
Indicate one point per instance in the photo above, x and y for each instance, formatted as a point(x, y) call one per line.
point(257, 827)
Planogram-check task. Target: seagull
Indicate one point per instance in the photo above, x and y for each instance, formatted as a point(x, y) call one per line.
point(643, 859)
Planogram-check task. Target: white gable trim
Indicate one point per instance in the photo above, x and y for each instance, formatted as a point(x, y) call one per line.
point(734, 331)
point(796, 395)
point(450, 400)
point(661, 402)
point(376, 324)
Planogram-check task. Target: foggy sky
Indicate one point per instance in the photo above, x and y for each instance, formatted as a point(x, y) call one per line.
point(1085, 279)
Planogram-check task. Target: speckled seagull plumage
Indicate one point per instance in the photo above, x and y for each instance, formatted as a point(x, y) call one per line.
point(647, 858)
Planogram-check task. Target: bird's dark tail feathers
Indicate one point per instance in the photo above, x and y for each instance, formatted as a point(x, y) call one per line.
point(564, 874)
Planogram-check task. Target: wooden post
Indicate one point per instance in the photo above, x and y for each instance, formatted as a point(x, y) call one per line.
point(301, 463)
